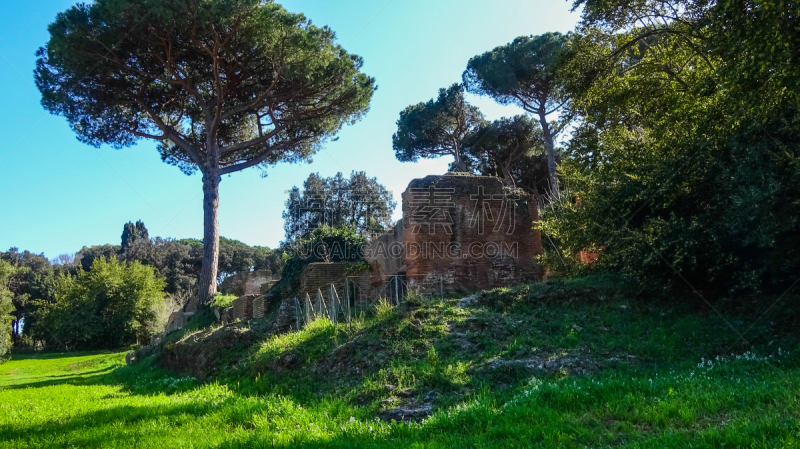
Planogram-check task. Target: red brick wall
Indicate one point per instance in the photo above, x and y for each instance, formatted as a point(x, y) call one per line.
point(259, 307)
point(247, 283)
point(320, 276)
point(444, 234)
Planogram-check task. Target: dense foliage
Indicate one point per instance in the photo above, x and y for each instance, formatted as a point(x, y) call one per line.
point(7, 272)
point(112, 305)
point(131, 233)
point(359, 203)
point(514, 149)
point(685, 167)
point(511, 149)
point(525, 72)
point(33, 278)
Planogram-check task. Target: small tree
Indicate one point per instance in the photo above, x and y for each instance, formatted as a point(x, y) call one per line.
point(64, 260)
point(221, 85)
point(512, 149)
point(524, 72)
point(323, 244)
point(88, 254)
point(131, 233)
point(33, 278)
point(359, 203)
point(7, 271)
point(437, 127)
point(112, 305)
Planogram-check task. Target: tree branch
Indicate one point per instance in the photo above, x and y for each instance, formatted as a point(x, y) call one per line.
point(174, 136)
point(252, 162)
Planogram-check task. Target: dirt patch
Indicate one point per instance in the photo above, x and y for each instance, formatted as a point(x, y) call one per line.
point(468, 301)
point(576, 363)
point(204, 354)
point(406, 413)
point(403, 406)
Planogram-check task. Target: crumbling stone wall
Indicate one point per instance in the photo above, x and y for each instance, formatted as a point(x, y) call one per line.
point(248, 283)
point(320, 276)
point(243, 308)
point(259, 307)
point(471, 230)
point(385, 252)
point(246, 308)
point(177, 320)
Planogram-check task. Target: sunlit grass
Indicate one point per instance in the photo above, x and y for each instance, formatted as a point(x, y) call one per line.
point(665, 379)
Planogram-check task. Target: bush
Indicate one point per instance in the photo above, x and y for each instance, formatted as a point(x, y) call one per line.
point(223, 301)
point(6, 307)
point(683, 175)
point(112, 305)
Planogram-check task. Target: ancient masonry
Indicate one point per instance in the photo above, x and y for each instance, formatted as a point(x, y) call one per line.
point(245, 308)
point(471, 231)
point(320, 276)
point(458, 233)
point(250, 305)
point(177, 320)
point(249, 283)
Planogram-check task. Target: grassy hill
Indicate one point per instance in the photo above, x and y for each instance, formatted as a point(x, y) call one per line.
point(586, 363)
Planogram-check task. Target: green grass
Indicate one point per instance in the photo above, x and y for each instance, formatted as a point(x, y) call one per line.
point(644, 373)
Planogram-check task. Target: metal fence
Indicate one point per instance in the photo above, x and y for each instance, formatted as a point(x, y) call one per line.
point(360, 295)
point(362, 289)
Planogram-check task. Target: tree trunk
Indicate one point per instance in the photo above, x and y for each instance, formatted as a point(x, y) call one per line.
point(459, 163)
point(208, 274)
point(15, 332)
point(552, 168)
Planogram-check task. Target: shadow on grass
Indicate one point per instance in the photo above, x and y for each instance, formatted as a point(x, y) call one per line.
point(83, 373)
point(47, 355)
point(97, 377)
point(101, 427)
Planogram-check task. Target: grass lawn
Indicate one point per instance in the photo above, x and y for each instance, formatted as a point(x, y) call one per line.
point(580, 364)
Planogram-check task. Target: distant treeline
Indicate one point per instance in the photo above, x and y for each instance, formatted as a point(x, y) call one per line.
point(32, 282)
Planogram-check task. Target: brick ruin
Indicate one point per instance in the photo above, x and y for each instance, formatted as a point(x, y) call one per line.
point(245, 308)
point(458, 233)
point(250, 287)
point(472, 232)
point(249, 283)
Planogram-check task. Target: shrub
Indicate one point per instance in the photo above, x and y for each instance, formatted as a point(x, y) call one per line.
point(223, 301)
point(383, 308)
point(6, 307)
point(684, 175)
point(112, 305)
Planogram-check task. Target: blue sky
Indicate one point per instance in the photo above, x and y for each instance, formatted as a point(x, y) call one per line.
point(57, 194)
